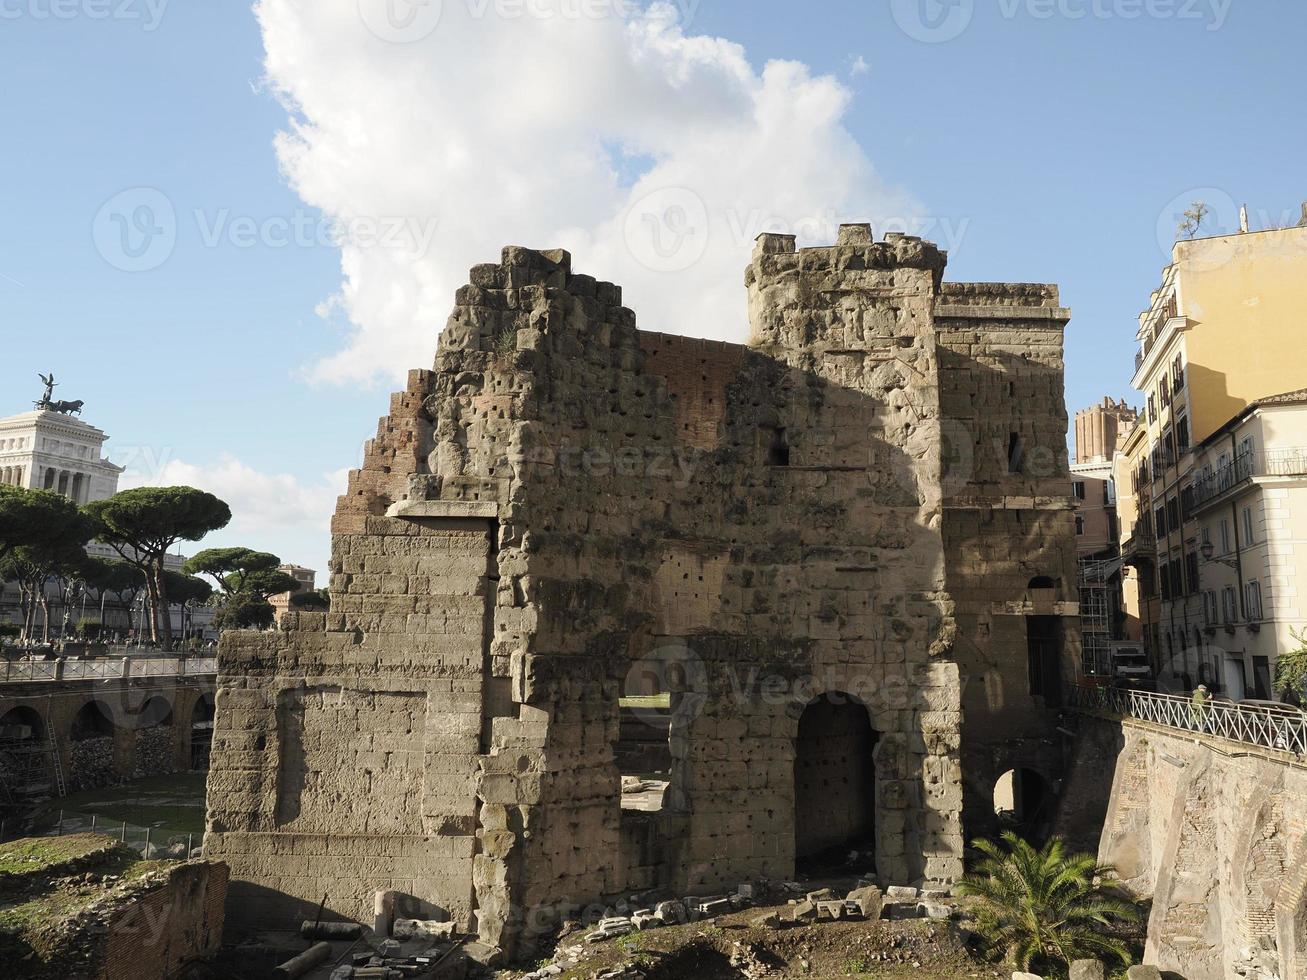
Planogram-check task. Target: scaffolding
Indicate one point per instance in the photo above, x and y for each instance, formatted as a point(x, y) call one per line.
point(29, 765)
point(1093, 580)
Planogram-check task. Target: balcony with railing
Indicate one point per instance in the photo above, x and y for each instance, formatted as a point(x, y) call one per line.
point(1270, 462)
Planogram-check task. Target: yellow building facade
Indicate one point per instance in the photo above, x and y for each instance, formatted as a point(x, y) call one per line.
point(1223, 334)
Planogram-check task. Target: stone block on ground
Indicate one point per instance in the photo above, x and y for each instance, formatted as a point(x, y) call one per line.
point(1087, 970)
point(1143, 973)
point(869, 899)
point(805, 911)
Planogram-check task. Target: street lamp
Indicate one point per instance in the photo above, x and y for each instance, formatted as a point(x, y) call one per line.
point(1208, 550)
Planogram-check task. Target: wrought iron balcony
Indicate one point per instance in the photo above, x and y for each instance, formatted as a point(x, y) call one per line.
point(1271, 462)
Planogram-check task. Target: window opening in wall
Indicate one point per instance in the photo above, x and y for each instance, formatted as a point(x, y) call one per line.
point(1044, 654)
point(778, 448)
point(1015, 451)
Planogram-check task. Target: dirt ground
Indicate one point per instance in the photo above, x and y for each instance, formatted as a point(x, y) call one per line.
point(731, 948)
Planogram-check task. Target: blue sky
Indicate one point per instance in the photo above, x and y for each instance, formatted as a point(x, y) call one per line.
point(1046, 142)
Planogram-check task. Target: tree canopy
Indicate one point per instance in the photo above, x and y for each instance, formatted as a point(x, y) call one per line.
point(242, 570)
point(37, 518)
point(51, 543)
point(244, 611)
point(142, 524)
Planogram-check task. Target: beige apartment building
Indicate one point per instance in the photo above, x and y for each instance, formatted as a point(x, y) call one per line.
point(1207, 480)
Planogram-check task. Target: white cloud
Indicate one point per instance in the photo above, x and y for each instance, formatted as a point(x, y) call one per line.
point(653, 154)
point(858, 66)
point(273, 512)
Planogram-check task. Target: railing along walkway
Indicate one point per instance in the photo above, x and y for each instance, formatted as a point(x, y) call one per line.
point(124, 668)
point(1283, 731)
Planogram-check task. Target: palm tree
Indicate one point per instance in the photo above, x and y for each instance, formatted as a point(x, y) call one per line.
point(1043, 907)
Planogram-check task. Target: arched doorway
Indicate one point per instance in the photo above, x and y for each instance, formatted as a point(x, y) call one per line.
point(91, 762)
point(834, 782)
point(154, 753)
point(1023, 802)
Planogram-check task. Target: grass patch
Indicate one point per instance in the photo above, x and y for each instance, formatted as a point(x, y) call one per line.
point(174, 804)
point(31, 854)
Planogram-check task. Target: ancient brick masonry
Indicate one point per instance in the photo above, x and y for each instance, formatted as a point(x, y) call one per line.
point(766, 530)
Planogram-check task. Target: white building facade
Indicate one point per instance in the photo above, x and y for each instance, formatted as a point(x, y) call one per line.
point(45, 450)
point(1250, 502)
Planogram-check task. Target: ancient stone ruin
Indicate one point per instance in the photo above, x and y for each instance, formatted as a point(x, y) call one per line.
point(844, 549)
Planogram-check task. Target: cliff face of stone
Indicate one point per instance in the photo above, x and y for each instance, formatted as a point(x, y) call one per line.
point(766, 534)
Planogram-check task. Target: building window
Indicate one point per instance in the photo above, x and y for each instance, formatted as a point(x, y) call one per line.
point(1164, 580)
point(1159, 518)
point(1152, 408)
point(1168, 446)
point(1177, 372)
point(1210, 611)
point(1186, 503)
point(1248, 536)
point(1164, 391)
point(1225, 536)
point(1182, 434)
point(1078, 489)
point(1191, 571)
point(1229, 608)
point(1253, 600)
point(1080, 525)
point(1173, 514)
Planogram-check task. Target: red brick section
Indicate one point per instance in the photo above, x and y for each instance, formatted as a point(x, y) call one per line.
point(161, 932)
point(389, 459)
point(697, 373)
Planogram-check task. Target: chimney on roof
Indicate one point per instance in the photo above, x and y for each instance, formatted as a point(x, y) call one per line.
point(1243, 220)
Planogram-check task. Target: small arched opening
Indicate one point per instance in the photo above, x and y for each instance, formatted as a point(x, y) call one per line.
point(154, 748)
point(201, 733)
point(90, 761)
point(834, 782)
point(1023, 803)
point(91, 722)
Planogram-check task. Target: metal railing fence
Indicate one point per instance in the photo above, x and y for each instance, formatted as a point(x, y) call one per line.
point(1270, 728)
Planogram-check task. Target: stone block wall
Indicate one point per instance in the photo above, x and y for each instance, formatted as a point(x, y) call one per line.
point(1009, 527)
point(1216, 835)
point(564, 502)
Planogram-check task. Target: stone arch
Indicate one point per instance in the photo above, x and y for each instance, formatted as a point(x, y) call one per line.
point(91, 746)
point(1024, 802)
point(834, 778)
point(155, 749)
point(93, 720)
